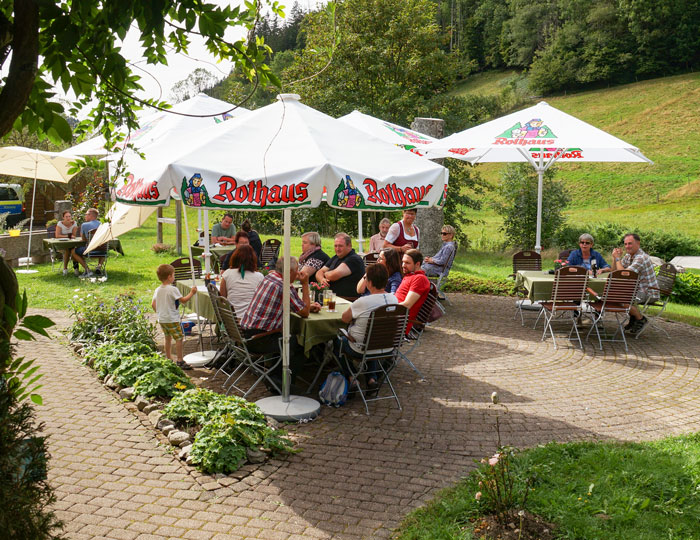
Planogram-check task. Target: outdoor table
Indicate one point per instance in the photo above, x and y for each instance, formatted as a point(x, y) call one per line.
point(200, 302)
point(62, 244)
point(319, 327)
point(218, 251)
point(539, 284)
point(316, 328)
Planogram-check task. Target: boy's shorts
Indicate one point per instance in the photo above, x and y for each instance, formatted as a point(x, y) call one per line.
point(172, 329)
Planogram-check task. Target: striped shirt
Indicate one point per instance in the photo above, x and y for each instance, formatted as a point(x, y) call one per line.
point(641, 263)
point(265, 309)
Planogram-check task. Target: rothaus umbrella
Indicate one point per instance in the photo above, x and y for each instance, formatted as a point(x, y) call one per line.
point(541, 136)
point(280, 157)
point(39, 165)
point(407, 139)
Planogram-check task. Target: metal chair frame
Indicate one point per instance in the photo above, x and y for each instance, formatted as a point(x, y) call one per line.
point(568, 294)
point(442, 278)
point(101, 252)
point(385, 330)
point(53, 252)
point(226, 350)
point(259, 365)
point(524, 260)
point(666, 279)
point(419, 324)
point(618, 296)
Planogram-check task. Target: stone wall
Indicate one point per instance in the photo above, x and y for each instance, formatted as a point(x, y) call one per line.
point(16, 247)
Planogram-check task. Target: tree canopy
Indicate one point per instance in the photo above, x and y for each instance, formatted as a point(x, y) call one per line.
point(77, 44)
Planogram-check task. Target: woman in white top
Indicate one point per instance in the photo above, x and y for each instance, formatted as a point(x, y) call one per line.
point(66, 228)
point(403, 235)
point(241, 279)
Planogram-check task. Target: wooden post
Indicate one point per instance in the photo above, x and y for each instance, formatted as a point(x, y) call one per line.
point(159, 226)
point(430, 220)
point(178, 227)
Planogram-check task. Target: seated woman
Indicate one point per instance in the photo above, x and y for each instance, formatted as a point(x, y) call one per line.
point(253, 237)
point(312, 258)
point(67, 228)
point(585, 255)
point(434, 266)
point(390, 258)
point(240, 281)
point(241, 239)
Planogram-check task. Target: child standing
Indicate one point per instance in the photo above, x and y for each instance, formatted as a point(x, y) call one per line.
point(164, 303)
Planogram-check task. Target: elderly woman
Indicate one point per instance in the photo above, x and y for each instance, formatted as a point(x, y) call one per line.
point(239, 282)
point(390, 258)
point(585, 254)
point(67, 228)
point(312, 257)
point(434, 266)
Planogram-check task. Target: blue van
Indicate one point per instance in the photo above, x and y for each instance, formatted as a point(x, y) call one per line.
point(12, 203)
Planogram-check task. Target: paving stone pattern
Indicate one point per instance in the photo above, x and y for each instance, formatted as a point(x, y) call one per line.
point(357, 476)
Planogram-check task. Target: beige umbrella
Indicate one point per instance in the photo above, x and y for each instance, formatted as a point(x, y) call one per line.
point(37, 164)
point(121, 218)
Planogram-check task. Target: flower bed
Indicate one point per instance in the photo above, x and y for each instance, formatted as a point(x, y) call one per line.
point(216, 434)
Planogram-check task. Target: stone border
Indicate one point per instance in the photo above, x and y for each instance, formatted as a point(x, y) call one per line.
point(258, 467)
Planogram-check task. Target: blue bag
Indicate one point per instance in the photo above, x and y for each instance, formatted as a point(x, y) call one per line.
point(334, 390)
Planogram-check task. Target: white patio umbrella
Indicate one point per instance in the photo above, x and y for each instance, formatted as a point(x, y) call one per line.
point(120, 219)
point(540, 135)
point(281, 157)
point(408, 139)
point(39, 165)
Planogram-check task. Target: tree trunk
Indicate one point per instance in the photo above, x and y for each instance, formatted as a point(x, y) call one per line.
point(430, 220)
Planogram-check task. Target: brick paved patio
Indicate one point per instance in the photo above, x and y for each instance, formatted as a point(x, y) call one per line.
point(357, 476)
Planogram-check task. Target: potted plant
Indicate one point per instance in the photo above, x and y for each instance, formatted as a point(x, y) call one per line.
point(317, 291)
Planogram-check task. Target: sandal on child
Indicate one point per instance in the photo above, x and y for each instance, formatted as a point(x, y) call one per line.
point(183, 365)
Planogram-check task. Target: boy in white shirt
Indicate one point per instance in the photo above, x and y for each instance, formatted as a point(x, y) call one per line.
point(164, 303)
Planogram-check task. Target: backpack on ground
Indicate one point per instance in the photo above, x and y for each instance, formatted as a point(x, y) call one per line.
point(334, 390)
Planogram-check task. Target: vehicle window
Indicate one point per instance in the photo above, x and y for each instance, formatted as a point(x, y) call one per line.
point(7, 194)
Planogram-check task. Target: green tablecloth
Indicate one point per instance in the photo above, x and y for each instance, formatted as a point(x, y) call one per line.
point(61, 244)
point(217, 252)
point(316, 328)
point(539, 284)
point(319, 327)
point(200, 302)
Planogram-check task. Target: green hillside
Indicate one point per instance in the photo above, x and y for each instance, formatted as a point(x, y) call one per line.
point(658, 116)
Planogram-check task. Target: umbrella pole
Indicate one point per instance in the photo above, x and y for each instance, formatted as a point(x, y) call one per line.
point(538, 238)
point(359, 231)
point(31, 223)
point(196, 300)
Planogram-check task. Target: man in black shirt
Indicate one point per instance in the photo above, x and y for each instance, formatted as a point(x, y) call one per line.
point(343, 271)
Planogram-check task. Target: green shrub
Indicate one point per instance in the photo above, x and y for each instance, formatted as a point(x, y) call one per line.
point(123, 320)
point(197, 406)
point(151, 376)
point(687, 289)
point(105, 357)
point(464, 283)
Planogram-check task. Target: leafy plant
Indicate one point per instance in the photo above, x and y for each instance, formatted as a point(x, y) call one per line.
point(105, 357)
point(460, 282)
point(687, 289)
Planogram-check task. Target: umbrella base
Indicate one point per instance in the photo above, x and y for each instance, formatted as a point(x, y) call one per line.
point(199, 358)
point(26, 271)
point(297, 409)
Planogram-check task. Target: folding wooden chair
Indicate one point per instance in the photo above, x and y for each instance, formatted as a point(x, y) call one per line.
point(370, 258)
point(183, 270)
point(97, 257)
point(564, 255)
point(412, 339)
point(653, 307)
point(524, 260)
point(380, 347)
point(568, 293)
point(269, 252)
point(618, 295)
point(260, 366)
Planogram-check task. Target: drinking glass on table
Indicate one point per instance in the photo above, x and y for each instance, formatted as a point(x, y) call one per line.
point(331, 303)
point(326, 297)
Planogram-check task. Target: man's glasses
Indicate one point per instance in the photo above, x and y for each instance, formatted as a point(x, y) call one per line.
point(585, 243)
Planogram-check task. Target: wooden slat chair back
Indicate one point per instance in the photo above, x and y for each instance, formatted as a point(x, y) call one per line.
point(258, 365)
point(666, 279)
point(524, 260)
point(618, 295)
point(386, 328)
point(269, 252)
point(564, 255)
point(370, 258)
point(183, 270)
point(568, 293)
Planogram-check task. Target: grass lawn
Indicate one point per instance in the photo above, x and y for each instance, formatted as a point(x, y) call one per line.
point(611, 491)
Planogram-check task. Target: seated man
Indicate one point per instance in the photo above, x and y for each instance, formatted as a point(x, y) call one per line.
point(342, 272)
point(357, 315)
point(223, 233)
point(414, 287)
point(435, 265)
point(241, 239)
point(264, 314)
point(639, 262)
point(313, 258)
point(91, 223)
